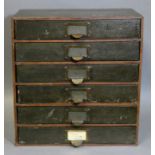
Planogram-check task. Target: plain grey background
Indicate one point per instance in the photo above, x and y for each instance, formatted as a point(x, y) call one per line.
point(143, 7)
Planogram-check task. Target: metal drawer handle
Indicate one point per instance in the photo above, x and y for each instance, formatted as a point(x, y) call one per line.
point(76, 36)
point(78, 96)
point(76, 31)
point(77, 81)
point(77, 75)
point(76, 143)
point(77, 53)
point(77, 58)
point(77, 118)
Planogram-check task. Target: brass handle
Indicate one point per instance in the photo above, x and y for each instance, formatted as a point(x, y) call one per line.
point(78, 96)
point(77, 53)
point(77, 118)
point(76, 143)
point(76, 31)
point(77, 81)
point(77, 58)
point(77, 75)
point(77, 122)
point(76, 36)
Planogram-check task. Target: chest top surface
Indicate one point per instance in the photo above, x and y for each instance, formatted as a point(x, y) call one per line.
point(79, 13)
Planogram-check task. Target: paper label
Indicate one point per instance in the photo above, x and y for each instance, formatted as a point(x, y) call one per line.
point(76, 135)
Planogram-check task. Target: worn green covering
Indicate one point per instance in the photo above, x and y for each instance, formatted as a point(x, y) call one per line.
point(97, 73)
point(95, 115)
point(96, 29)
point(102, 93)
point(95, 51)
point(95, 135)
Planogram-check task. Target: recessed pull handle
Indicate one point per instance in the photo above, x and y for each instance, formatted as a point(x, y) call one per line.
point(76, 143)
point(77, 75)
point(77, 122)
point(77, 118)
point(77, 81)
point(76, 36)
point(77, 58)
point(77, 53)
point(78, 96)
point(76, 31)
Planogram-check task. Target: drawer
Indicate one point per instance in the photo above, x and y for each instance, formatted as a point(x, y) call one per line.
point(94, 135)
point(77, 51)
point(75, 95)
point(77, 74)
point(77, 116)
point(93, 29)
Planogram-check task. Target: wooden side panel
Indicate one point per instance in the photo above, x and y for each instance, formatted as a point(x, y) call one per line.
point(96, 29)
point(59, 51)
point(49, 94)
point(96, 135)
point(97, 73)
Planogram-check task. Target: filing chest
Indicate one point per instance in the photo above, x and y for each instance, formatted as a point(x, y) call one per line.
point(77, 76)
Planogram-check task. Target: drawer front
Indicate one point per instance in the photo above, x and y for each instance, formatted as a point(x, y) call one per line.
point(46, 30)
point(65, 115)
point(69, 73)
point(95, 135)
point(62, 51)
point(102, 93)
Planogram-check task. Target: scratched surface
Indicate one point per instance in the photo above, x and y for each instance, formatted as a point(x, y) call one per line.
point(97, 29)
point(105, 93)
point(95, 135)
point(95, 51)
point(96, 73)
point(95, 115)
